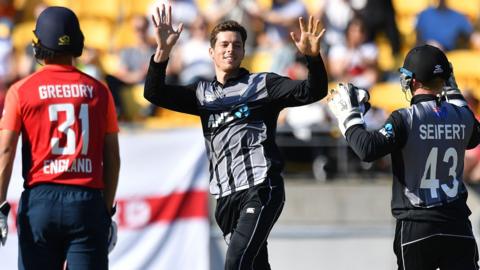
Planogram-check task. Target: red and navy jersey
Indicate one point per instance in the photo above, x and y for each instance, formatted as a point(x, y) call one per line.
point(63, 116)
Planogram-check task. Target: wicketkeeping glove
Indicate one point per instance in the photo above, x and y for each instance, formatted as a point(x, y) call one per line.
point(344, 103)
point(452, 93)
point(4, 210)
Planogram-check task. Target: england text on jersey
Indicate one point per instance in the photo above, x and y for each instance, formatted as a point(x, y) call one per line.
point(82, 165)
point(442, 131)
point(65, 91)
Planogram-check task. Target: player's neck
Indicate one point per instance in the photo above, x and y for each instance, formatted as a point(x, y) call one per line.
point(423, 91)
point(60, 60)
point(223, 76)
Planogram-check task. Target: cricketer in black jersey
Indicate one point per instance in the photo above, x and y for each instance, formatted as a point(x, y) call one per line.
point(427, 143)
point(239, 111)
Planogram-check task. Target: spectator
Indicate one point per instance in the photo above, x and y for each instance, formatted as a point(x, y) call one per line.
point(185, 12)
point(191, 60)
point(379, 16)
point(7, 68)
point(335, 15)
point(240, 11)
point(89, 63)
point(7, 9)
point(133, 67)
point(27, 63)
point(472, 156)
point(304, 120)
point(355, 61)
point(443, 27)
point(280, 20)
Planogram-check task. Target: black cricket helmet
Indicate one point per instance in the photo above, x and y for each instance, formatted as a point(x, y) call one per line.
point(57, 31)
point(424, 63)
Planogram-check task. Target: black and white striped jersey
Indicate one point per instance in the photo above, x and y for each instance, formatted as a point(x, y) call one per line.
point(239, 118)
point(427, 141)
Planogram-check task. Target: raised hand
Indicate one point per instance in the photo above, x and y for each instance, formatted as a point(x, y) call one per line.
point(165, 35)
point(309, 41)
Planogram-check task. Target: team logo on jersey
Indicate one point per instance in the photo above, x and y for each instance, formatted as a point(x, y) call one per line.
point(387, 130)
point(218, 119)
point(242, 112)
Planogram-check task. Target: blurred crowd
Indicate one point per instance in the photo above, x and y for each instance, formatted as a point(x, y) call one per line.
point(364, 43)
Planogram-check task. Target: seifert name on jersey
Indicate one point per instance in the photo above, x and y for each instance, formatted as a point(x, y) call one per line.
point(442, 131)
point(65, 91)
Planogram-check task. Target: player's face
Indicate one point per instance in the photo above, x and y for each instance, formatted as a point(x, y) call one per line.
point(228, 52)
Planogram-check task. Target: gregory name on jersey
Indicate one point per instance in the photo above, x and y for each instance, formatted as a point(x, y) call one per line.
point(442, 131)
point(65, 91)
point(81, 165)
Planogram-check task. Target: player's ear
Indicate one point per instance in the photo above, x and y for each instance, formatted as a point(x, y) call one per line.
point(211, 52)
point(415, 85)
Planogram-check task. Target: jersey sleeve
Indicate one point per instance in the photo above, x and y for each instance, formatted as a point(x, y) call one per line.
point(11, 118)
point(112, 124)
point(371, 145)
point(475, 137)
point(289, 93)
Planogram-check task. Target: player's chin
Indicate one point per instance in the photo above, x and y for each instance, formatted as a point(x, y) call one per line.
point(228, 67)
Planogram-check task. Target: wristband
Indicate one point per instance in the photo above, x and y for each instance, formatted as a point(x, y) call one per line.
point(5, 208)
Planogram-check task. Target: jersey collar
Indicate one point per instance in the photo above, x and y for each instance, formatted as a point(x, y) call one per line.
point(55, 67)
point(422, 98)
point(241, 72)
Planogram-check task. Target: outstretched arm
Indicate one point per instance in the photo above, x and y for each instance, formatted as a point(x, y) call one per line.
point(173, 97)
point(293, 92)
point(165, 35)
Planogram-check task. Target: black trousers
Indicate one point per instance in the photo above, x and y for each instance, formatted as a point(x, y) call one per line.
point(246, 218)
point(432, 245)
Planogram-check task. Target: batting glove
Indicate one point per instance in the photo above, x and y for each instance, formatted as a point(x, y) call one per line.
point(343, 101)
point(112, 236)
point(112, 231)
point(4, 210)
point(452, 93)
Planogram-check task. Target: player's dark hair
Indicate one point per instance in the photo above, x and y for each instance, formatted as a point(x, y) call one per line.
point(225, 26)
point(435, 84)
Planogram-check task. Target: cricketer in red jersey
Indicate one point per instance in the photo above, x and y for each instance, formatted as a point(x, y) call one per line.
point(70, 154)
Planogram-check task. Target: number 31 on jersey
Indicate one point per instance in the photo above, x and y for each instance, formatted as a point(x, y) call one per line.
point(66, 128)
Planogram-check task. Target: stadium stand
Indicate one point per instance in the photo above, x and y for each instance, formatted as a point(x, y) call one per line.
point(104, 9)
point(107, 28)
point(388, 96)
point(406, 12)
point(98, 33)
point(467, 73)
point(471, 8)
